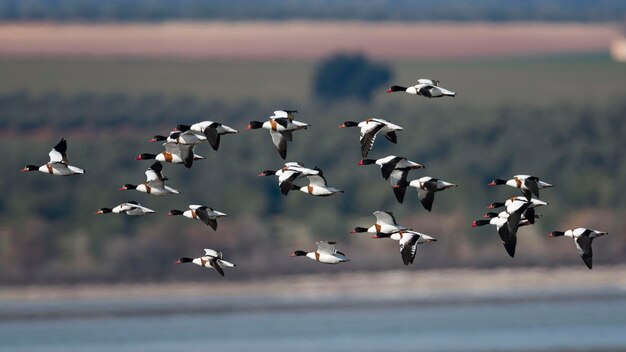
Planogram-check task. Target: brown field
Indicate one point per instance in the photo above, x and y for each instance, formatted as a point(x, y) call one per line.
point(301, 40)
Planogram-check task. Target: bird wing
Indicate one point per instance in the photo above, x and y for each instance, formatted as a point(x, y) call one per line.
point(432, 82)
point(154, 178)
point(368, 136)
point(326, 247)
point(186, 153)
point(212, 135)
point(532, 183)
point(216, 266)
point(583, 244)
point(285, 181)
point(317, 180)
point(285, 114)
point(427, 198)
point(58, 154)
point(391, 136)
point(383, 217)
point(408, 248)
point(388, 167)
point(172, 148)
point(280, 142)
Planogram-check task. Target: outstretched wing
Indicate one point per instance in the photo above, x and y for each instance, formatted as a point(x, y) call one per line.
point(408, 250)
point(368, 136)
point(427, 198)
point(583, 244)
point(212, 135)
point(186, 153)
point(153, 175)
point(532, 183)
point(285, 114)
point(390, 166)
point(391, 136)
point(216, 266)
point(384, 217)
point(172, 148)
point(280, 142)
point(326, 247)
point(58, 154)
point(317, 180)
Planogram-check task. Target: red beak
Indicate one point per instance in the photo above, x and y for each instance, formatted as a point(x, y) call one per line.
point(474, 224)
point(485, 216)
point(550, 235)
point(121, 189)
point(24, 170)
point(342, 126)
point(152, 140)
point(138, 157)
point(491, 183)
point(389, 91)
point(360, 162)
point(178, 262)
point(249, 127)
point(490, 206)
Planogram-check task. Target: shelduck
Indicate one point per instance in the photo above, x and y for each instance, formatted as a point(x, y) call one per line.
point(211, 259)
point(530, 211)
point(370, 129)
point(426, 187)
point(155, 182)
point(211, 130)
point(507, 225)
point(131, 208)
point(206, 214)
point(408, 240)
point(281, 129)
point(317, 186)
point(425, 87)
point(395, 169)
point(174, 153)
point(385, 224)
point(288, 174)
point(325, 253)
point(582, 238)
point(529, 185)
point(58, 164)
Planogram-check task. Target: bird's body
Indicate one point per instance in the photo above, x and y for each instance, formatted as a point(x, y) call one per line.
point(288, 174)
point(212, 259)
point(427, 186)
point(206, 214)
point(130, 208)
point(396, 170)
point(325, 253)
point(370, 128)
point(408, 240)
point(425, 87)
point(58, 164)
point(317, 186)
point(155, 182)
point(582, 239)
point(281, 129)
point(174, 153)
point(212, 131)
point(529, 185)
point(385, 224)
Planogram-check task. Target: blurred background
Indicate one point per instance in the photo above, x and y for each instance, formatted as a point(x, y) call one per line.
point(540, 91)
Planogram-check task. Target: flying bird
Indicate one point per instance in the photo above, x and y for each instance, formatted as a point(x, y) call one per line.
point(130, 208)
point(582, 238)
point(325, 253)
point(211, 259)
point(281, 129)
point(201, 212)
point(155, 182)
point(370, 128)
point(58, 164)
point(425, 87)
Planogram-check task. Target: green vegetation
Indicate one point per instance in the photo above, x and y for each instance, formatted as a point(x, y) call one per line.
point(565, 121)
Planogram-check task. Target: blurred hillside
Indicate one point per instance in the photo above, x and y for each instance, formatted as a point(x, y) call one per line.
point(373, 10)
point(559, 118)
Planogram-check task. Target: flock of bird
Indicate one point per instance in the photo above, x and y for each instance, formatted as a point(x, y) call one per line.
point(179, 148)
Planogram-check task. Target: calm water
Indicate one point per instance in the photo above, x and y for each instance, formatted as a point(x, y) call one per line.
point(563, 325)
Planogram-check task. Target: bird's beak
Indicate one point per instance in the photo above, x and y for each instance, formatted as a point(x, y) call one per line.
point(99, 212)
point(492, 183)
point(389, 91)
point(360, 162)
point(550, 235)
point(24, 170)
point(342, 126)
point(292, 255)
point(138, 157)
point(485, 216)
point(490, 206)
point(474, 224)
point(121, 189)
point(249, 127)
point(178, 262)
point(152, 140)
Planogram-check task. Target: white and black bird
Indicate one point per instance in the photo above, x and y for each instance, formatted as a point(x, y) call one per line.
point(288, 174)
point(385, 224)
point(530, 211)
point(155, 182)
point(508, 231)
point(58, 164)
point(396, 170)
point(425, 87)
point(529, 185)
point(211, 259)
point(325, 253)
point(174, 153)
point(203, 213)
point(211, 130)
point(582, 238)
point(426, 187)
point(408, 240)
point(370, 128)
point(130, 208)
point(317, 186)
point(281, 129)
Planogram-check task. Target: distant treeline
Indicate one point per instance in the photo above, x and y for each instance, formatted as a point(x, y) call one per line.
point(375, 10)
